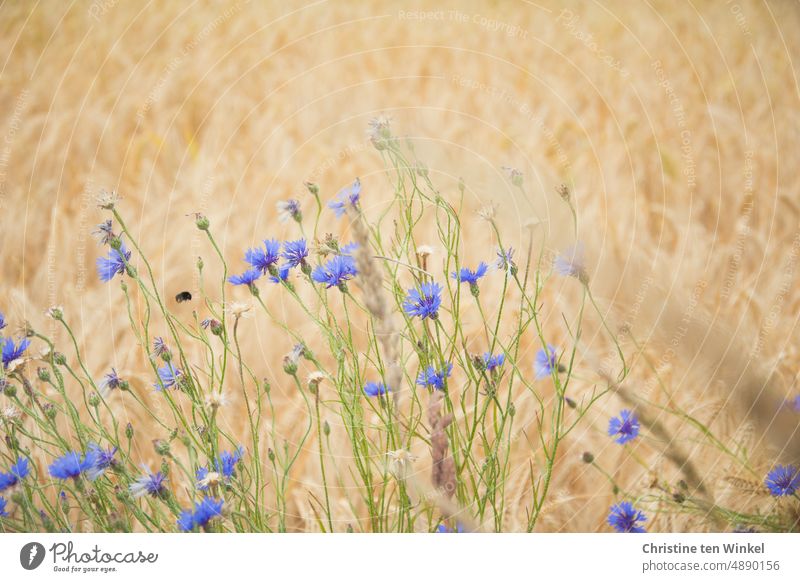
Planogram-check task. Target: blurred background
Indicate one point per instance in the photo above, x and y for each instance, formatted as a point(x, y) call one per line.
point(666, 120)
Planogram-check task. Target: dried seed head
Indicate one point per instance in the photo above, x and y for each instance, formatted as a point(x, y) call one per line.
point(216, 400)
point(107, 200)
point(238, 309)
point(400, 462)
point(314, 378)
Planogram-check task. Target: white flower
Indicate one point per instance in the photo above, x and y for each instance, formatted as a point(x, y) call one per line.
point(400, 463)
point(488, 212)
point(238, 309)
point(216, 400)
point(107, 200)
point(425, 250)
point(10, 413)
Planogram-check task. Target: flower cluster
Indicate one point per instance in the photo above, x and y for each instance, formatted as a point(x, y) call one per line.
point(431, 377)
point(224, 468)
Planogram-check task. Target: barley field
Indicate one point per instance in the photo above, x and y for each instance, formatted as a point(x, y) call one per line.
point(340, 266)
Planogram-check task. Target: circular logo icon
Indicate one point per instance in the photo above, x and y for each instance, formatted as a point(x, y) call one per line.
point(31, 555)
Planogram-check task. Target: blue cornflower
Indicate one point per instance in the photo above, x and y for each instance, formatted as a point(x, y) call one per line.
point(186, 520)
point(153, 484)
point(625, 518)
point(546, 362)
point(469, 276)
point(263, 260)
point(12, 351)
point(204, 511)
point(281, 276)
point(2, 320)
point(626, 426)
point(572, 263)
point(295, 252)
point(200, 475)
point(289, 209)
point(493, 362)
point(247, 278)
point(100, 460)
point(335, 272)
point(3, 512)
point(444, 529)
point(347, 197)
point(505, 260)
point(783, 480)
point(16, 473)
point(110, 381)
point(424, 302)
point(169, 375)
point(226, 463)
point(160, 347)
point(70, 466)
point(348, 248)
point(114, 264)
point(433, 378)
point(375, 388)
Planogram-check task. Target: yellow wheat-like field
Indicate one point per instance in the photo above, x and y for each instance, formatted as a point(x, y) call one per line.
point(675, 124)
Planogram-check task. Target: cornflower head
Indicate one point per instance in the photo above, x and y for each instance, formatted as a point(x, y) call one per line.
point(111, 381)
point(432, 378)
point(153, 484)
point(625, 518)
point(204, 511)
point(114, 263)
point(471, 277)
point(13, 351)
point(295, 253)
point(247, 278)
point(289, 209)
point(572, 263)
point(546, 362)
point(214, 325)
point(492, 363)
point(2, 320)
point(281, 276)
point(336, 272)
point(71, 465)
point(375, 389)
point(100, 460)
point(347, 197)
point(505, 261)
point(16, 473)
point(625, 427)
point(783, 480)
point(515, 176)
point(169, 376)
point(379, 131)
point(107, 200)
point(424, 302)
point(444, 529)
point(105, 232)
point(3, 512)
point(226, 463)
point(160, 349)
point(263, 260)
